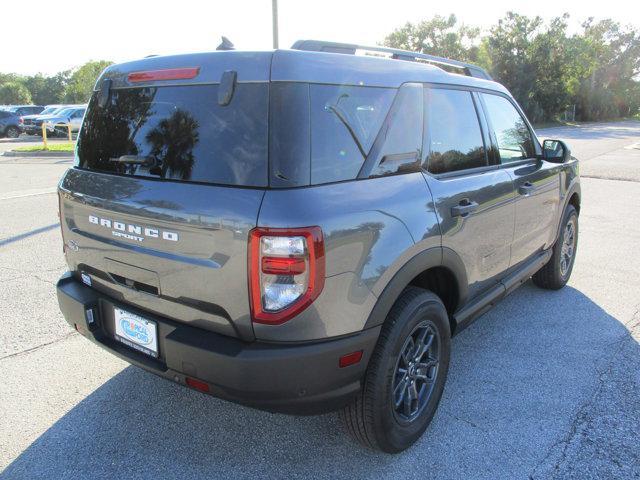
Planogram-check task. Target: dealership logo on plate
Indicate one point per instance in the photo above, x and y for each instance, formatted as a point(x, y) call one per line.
point(135, 330)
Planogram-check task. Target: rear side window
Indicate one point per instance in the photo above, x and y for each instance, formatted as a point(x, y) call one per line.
point(179, 133)
point(512, 134)
point(344, 123)
point(455, 138)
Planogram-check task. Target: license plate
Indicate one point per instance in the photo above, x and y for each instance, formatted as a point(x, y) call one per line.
point(136, 332)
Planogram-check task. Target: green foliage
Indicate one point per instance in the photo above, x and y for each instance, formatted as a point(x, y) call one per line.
point(69, 86)
point(439, 36)
point(47, 90)
point(546, 69)
point(14, 92)
point(83, 80)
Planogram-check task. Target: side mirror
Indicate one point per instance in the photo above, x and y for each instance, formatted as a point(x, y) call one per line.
point(556, 151)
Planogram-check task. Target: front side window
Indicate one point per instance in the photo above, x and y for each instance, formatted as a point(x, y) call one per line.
point(512, 134)
point(345, 121)
point(455, 138)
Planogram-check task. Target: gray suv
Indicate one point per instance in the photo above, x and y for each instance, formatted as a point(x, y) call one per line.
point(304, 230)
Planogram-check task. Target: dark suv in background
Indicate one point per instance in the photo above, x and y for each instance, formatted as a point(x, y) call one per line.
point(9, 124)
point(304, 230)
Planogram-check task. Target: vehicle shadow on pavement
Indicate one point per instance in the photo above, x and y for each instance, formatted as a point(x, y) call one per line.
point(523, 382)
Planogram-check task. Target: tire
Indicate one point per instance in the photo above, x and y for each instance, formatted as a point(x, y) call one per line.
point(556, 273)
point(12, 132)
point(372, 419)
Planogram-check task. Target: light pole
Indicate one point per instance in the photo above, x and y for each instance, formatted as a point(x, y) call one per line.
point(274, 19)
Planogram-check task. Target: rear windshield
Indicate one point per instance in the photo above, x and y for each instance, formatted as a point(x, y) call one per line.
point(179, 133)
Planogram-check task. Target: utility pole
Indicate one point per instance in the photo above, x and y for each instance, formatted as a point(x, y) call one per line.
point(274, 18)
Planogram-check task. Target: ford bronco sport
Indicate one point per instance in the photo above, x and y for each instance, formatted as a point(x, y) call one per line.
point(304, 230)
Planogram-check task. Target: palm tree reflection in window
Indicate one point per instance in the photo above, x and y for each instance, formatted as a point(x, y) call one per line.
point(171, 144)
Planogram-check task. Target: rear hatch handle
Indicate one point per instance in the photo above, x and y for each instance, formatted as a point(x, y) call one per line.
point(134, 160)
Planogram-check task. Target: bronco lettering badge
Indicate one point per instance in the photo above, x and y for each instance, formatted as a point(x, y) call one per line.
point(132, 232)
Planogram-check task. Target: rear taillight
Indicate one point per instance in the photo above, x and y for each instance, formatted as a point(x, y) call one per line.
point(20, 120)
point(286, 272)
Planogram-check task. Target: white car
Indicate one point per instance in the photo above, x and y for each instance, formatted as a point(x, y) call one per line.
point(57, 123)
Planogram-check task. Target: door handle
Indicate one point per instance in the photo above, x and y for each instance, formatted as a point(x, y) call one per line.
point(526, 188)
point(464, 208)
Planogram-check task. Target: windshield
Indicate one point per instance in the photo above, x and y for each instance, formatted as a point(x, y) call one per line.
point(179, 133)
point(63, 112)
point(48, 111)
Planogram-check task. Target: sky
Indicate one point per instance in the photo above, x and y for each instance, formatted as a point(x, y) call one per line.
point(50, 37)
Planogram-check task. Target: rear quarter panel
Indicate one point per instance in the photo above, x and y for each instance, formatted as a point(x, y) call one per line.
point(371, 228)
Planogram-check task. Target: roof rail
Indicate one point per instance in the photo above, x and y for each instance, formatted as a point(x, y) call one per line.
point(468, 69)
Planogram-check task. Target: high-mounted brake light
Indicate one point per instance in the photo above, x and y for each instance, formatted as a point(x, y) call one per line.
point(286, 272)
point(166, 74)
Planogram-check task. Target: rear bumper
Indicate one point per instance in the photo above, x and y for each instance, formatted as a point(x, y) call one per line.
point(288, 378)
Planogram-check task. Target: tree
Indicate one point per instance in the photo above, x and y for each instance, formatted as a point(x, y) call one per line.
point(47, 90)
point(546, 70)
point(439, 36)
point(14, 93)
point(609, 88)
point(83, 80)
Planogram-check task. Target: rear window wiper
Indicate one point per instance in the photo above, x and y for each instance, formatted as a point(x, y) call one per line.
point(343, 118)
point(134, 160)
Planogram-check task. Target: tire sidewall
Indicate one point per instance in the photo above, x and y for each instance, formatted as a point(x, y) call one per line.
point(10, 129)
point(391, 434)
point(568, 215)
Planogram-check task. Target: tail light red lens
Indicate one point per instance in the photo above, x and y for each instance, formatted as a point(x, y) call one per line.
point(20, 120)
point(166, 74)
point(283, 266)
point(286, 272)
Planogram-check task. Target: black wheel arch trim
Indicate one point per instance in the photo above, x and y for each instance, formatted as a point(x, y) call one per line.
point(573, 189)
point(430, 258)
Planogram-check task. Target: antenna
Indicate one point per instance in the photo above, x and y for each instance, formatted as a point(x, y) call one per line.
point(226, 44)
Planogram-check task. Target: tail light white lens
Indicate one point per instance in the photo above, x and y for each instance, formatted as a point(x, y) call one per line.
point(286, 272)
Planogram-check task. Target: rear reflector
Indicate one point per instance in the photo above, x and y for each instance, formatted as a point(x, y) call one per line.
point(167, 74)
point(350, 359)
point(197, 384)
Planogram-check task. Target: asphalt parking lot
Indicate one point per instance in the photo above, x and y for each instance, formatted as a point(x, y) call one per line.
point(546, 385)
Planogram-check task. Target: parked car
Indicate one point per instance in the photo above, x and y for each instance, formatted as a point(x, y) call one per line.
point(28, 125)
point(21, 110)
point(301, 231)
point(9, 124)
point(56, 124)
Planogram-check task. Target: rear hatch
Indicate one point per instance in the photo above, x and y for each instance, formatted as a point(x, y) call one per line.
point(170, 173)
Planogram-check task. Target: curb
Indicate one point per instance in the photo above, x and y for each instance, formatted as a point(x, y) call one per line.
point(43, 154)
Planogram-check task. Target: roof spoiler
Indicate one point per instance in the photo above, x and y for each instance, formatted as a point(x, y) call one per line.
point(467, 69)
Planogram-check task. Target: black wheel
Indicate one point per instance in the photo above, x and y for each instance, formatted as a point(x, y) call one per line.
point(406, 375)
point(12, 132)
point(555, 274)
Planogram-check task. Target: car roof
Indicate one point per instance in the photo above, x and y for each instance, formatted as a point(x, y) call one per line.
point(367, 70)
point(295, 66)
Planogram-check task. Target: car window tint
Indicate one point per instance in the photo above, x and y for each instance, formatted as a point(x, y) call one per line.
point(402, 134)
point(344, 120)
point(181, 133)
point(512, 134)
point(455, 138)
